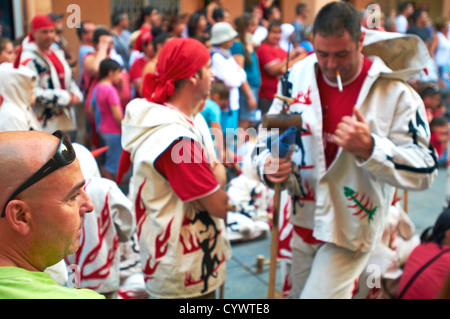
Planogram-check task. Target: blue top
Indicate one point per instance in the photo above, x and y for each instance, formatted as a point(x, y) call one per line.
point(252, 70)
point(212, 112)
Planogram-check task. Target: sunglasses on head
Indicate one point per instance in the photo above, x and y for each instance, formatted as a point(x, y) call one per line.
point(64, 155)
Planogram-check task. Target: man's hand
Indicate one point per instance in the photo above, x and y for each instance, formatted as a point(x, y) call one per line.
point(353, 135)
point(74, 99)
point(277, 169)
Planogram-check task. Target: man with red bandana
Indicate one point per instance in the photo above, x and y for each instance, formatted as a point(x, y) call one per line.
point(54, 81)
point(178, 194)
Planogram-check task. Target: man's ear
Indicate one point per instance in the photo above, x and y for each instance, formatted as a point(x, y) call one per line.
point(362, 37)
point(194, 79)
point(17, 213)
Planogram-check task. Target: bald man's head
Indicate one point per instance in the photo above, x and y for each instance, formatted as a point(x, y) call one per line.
point(43, 220)
point(21, 155)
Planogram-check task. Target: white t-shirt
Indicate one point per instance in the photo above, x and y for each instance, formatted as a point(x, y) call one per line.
point(402, 24)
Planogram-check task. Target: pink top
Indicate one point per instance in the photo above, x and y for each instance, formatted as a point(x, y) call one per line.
point(106, 97)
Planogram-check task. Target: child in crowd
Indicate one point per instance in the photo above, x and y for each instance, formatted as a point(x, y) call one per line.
point(110, 113)
point(7, 53)
point(218, 102)
point(439, 137)
point(432, 100)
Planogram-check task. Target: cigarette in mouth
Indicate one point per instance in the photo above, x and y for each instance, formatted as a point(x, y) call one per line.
point(339, 81)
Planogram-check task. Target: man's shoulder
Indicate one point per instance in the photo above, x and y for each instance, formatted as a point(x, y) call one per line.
point(18, 283)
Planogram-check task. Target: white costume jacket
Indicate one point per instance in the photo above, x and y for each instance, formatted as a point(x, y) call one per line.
point(47, 87)
point(16, 113)
point(348, 203)
point(183, 252)
point(97, 261)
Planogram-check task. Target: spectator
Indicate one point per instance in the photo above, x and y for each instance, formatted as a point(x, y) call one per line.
point(221, 15)
point(406, 9)
point(273, 14)
point(301, 11)
point(226, 69)
point(419, 27)
point(150, 18)
point(60, 42)
point(427, 267)
point(120, 23)
point(55, 90)
point(177, 26)
point(85, 34)
point(209, 10)
point(307, 43)
point(7, 54)
point(273, 63)
point(103, 44)
point(261, 29)
point(6, 51)
point(197, 26)
point(390, 25)
point(431, 98)
point(111, 113)
point(219, 99)
point(287, 35)
point(442, 55)
point(439, 137)
point(16, 88)
point(245, 55)
point(157, 44)
point(138, 65)
point(55, 213)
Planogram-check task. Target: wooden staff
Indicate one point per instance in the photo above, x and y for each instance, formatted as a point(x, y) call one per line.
point(282, 122)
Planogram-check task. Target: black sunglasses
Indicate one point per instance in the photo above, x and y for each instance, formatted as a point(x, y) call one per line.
point(64, 155)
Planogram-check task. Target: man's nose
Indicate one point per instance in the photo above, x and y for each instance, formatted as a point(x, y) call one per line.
point(87, 206)
point(332, 63)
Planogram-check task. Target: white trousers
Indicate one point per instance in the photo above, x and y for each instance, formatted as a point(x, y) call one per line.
point(324, 271)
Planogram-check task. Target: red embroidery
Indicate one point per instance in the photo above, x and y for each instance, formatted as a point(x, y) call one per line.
point(140, 209)
point(149, 271)
point(161, 244)
point(303, 98)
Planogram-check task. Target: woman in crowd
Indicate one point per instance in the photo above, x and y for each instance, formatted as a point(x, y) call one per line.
point(273, 63)
point(245, 55)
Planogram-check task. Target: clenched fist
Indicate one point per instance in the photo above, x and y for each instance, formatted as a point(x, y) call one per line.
point(353, 135)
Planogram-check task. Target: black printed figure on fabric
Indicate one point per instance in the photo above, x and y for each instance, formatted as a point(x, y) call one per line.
point(209, 261)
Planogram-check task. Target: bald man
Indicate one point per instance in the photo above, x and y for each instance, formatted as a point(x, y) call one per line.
point(43, 205)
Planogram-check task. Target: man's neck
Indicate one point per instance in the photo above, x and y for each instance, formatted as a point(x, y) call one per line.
point(45, 50)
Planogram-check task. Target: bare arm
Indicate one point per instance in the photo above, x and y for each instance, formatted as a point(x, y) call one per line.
point(215, 204)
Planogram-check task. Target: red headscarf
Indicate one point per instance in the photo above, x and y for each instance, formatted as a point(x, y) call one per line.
point(179, 59)
point(41, 21)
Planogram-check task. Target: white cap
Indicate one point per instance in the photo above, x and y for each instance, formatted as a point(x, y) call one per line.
point(222, 32)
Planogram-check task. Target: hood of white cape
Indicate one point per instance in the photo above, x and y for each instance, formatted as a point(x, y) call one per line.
point(16, 84)
point(140, 120)
point(404, 54)
point(88, 164)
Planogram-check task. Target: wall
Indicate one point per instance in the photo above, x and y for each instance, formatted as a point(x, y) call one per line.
point(97, 11)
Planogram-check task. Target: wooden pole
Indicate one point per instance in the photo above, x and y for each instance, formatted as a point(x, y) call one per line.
point(274, 242)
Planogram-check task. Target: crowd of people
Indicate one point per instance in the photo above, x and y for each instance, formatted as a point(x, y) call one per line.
point(199, 83)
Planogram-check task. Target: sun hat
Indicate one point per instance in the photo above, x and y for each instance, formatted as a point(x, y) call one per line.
point(222, 32)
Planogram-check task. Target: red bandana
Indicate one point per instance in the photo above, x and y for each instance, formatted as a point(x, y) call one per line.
point(179, 59)
point(39, 22)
